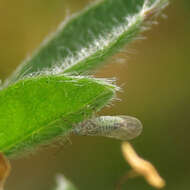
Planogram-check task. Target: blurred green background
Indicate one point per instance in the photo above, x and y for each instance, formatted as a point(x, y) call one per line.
point(155, 79)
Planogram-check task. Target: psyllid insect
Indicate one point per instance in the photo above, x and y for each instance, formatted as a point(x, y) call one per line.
point(118, 127)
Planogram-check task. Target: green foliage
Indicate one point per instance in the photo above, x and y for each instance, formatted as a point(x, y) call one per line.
point(35, 110)
point(83, 42)
point(43, 100)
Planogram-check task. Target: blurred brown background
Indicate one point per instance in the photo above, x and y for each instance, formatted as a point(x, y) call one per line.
point(155, 81)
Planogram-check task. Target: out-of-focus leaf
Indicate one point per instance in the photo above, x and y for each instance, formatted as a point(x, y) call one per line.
point(64, 184)
point(86, 39)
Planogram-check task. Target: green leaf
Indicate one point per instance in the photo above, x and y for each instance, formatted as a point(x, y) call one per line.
point(35, 111)
point(83, 42)
point(38, 103)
